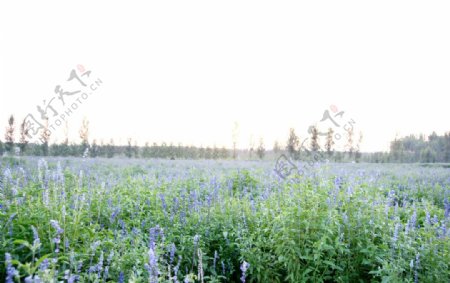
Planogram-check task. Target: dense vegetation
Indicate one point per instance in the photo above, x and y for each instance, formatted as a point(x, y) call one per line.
point(98, 220)
point(410, 149)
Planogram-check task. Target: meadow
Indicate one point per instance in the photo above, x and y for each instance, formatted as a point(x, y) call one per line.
point(125, 220)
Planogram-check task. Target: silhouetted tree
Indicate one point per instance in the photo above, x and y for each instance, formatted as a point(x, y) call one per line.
point(223, 153)
point(349, 145)
point(110, 149)
point(129, 149)
point(215, 153)
point(84, 135)
point(314, 139)
point(136, 149)
point(251, 147)
point(235, 138)
point(9, 135)
point(45, 138)
point(329, 142)
point(24, 136)
point(94, 149)
point(146, 152)
point(261, 150)
point(292, 144)
point(276, 147)
point(358, 148)
point(447, 147)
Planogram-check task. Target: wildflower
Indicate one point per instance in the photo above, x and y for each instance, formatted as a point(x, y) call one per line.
point(345, 217)
point(44, 265)
point(200, 266)
point(33, 279)
point(196, 239)
point(95, 245)
point(395, 237)
point(416, 273)
point(11, 272)
point(176, 268)
point(73, 278)
point(152, 265)
point(121, 277)
point(216, 256)
point(223, 267)
point(427, 217)
point(338, 182)
point(100, 265)
point(172, 252)
point(36, 241)
point(154, 233)
point(59, 231)
point(413, 220)
point(446, 208)
point(244, 267)
point(55, 225)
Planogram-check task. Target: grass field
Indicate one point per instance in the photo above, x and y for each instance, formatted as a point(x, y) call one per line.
point(99, 220)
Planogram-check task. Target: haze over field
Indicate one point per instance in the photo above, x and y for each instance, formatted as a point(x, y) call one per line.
point(224, 141)
point(186, 71)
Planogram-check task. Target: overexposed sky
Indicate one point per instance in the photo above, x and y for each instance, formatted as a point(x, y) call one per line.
point(185, 71)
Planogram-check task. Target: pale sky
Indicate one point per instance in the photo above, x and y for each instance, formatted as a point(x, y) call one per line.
point(185, 71)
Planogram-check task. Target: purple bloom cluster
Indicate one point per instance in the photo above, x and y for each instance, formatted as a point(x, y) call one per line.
point(11, 272)
point(244, 267)
point(59, 231)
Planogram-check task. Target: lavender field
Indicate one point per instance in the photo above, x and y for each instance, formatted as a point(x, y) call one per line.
point(124, 220)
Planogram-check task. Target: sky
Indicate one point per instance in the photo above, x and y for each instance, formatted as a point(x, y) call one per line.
point(187, 71)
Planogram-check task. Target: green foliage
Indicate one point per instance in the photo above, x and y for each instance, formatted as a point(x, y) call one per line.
point(368, 225)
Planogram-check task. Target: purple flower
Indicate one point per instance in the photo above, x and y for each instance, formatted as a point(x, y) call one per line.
point(11, 272)
point(244, 267)
point(73, 278)
point(172, 252)
point(395, 237)
point(36, 240)
point(338, 182)
point(33, 279)
point(152, 265)
point(121, 277)
point(446, 208)
point(196, 239)
point(216, 256)
point(154, 234)
point(95, 245)
point(44, 265)
point(56, 226)
point(413, 220)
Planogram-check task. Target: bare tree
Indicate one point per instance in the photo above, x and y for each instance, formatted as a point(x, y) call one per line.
point(276, 147)
point(45, 138)
point(66, 134)
point(24, 135)
point(84, 134)
point(292, 144)
point(350, 146)
point(314, 139)
point(251, 146)
point(235, 138)
point(358, 147)
point(9, 134)
point(261, 150)
point(329, 142)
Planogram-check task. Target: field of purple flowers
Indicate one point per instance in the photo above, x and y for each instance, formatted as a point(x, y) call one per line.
point(98, 220)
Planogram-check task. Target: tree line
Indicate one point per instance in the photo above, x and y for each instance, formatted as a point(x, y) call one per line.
point(433, 148)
